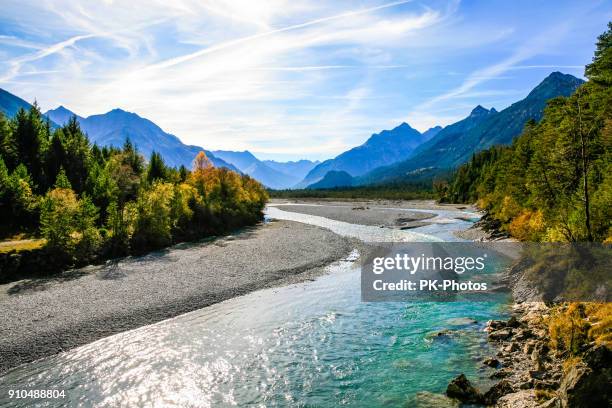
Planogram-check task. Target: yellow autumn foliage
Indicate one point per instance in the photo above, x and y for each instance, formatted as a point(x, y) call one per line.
point(528, 225)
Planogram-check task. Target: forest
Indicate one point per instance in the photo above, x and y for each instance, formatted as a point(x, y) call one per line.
point(554, 183)
point(84, 203)
point(417, 190)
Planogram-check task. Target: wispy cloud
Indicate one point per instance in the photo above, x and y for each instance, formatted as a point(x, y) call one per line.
point(303, 76)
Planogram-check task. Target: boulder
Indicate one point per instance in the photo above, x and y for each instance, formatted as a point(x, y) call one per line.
point(424, 399)
point(521, 399)
point(583, 387)
point(551, 403)
point(497, 391)
point(523, 334)
point(598, 357)
point(513, 322)
point(535, 374)
point(461, 389)
point(503, 373)
point(511, 348)
point(493, 325)
point(492, 362)
point(528, 347)
point(501, 334)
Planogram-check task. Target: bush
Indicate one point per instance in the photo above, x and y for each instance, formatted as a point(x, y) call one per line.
point(569, 329)
point(68, 224)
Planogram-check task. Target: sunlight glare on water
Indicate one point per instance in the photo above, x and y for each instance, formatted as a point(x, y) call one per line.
point(308, 344)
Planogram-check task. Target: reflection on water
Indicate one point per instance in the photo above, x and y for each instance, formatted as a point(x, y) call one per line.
point(310, 344)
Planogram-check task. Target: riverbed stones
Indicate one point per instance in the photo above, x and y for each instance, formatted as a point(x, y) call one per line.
point(502, 334)
point(522, 399)
point(497, 391)
point(425, 399)
point(461, 389)
point(511, 347)
point(491, 362)
point(528, 347)
point(493, 325)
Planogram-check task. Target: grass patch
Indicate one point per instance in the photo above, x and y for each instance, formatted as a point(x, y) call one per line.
point(21, 245)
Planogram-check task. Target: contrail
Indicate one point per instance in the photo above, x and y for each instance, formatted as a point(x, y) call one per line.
point(227, 44)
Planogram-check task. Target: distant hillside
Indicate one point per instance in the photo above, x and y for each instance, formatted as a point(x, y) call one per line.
point(333, 179)
point(251, 165)
point(386, 147)
point(483, 128)
point(112, 128)
point(61, 115)
point(10, 104)
point(297, 169)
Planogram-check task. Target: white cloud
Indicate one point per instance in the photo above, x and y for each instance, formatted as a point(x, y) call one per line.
point(278, 76)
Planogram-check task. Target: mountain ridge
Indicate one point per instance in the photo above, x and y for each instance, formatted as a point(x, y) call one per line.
point(385, 147)
point(113, 127)
point(246, 162)
point(483, 128)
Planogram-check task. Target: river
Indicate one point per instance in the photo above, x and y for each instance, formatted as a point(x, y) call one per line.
point(309, 344)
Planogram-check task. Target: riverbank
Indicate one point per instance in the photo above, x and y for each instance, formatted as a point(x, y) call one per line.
point(42, 317)
point(397, 214)
point(530, 372)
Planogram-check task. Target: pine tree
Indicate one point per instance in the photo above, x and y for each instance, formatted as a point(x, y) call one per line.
point(157, 169)
point(31, 139)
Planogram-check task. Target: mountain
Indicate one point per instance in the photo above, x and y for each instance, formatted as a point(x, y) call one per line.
point(431, 132)
point(386, 147)
point(333, 179)
point(10, 104)
point(251, 165)
point(61, 115)
point(483, 128)
point(112, 128)
point(297, 169)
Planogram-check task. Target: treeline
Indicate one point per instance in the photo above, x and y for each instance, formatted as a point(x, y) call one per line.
point(391, 191)
point(92, 202)
point(554, 183)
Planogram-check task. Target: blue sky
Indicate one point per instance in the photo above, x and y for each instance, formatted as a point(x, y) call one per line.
point(290, 79)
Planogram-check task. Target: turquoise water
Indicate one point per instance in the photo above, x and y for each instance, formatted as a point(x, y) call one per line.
point(310, 344)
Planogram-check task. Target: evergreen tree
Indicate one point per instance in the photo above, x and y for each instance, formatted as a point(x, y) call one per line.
point(77, 152)
point(600, 70)
point(62, 180)
point(31, 138)
point(157, 169)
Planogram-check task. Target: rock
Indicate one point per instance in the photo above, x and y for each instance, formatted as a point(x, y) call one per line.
point(493, 325)
point(528, 347)
point(551, 403)
point(513, 322)
point(523, 334)
point(521, 399)
point(501, 334)
point(598, 357)
point(497, 391)
point(461, 389)
point(441, 335)
point(503, 373)
point(583, 387)
point(545, 385)
point(538, 375)
point(425, 399)
point(461, 321)
point(492, 362)
point(512, 347)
